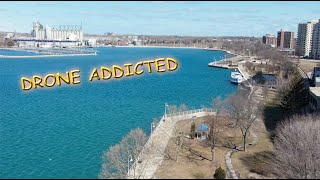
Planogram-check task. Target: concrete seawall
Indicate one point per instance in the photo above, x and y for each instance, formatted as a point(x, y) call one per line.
point(152, 154)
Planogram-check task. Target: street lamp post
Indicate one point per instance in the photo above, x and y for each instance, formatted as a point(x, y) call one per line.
point(152, 126)
point(165, 110)
point(129, 160)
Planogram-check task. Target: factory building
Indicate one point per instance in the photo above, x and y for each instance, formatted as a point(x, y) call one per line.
point(63, 33)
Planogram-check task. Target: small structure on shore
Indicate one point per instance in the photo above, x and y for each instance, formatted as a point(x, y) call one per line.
point(202, 131)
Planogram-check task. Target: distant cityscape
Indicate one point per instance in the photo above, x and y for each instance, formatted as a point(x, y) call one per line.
point(72, 36)
point(307, 43)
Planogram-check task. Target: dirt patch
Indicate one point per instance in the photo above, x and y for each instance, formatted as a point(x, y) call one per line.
point(198, 162)
point(307, 66)
point(253, 161)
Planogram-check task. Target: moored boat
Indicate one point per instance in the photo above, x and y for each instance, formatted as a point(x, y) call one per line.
point(236, 77)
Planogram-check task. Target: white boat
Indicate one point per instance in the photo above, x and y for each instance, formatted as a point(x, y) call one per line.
point(236, 77)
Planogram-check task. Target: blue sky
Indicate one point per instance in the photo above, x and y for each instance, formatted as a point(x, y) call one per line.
point(162, 18)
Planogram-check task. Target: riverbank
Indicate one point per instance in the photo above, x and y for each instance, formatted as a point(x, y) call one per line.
point(175, 47)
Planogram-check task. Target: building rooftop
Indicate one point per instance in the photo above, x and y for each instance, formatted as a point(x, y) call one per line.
point(202, 127)
point(315, 90)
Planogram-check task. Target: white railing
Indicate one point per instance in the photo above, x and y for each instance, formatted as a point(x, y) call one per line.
point(190, 112)
point(171, 115)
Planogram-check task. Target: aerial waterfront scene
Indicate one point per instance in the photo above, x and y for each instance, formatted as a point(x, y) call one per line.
point(86, 99)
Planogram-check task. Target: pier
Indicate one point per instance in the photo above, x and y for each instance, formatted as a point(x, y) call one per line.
point(225, 63)
point(152, 154)
point(223, 66)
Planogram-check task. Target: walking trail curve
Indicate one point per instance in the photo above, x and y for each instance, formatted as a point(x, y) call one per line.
point(230, 170)
point(152, 154)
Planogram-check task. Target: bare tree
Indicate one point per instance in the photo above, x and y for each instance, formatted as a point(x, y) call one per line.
point(213, 125)
point(115, 163)
point(174, 145)
point(297, 144)
point(213, 134)
point(248, 65)
point(243, 109)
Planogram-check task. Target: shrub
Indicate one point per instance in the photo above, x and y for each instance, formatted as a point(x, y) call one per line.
point(10, 43)
point(219, 174)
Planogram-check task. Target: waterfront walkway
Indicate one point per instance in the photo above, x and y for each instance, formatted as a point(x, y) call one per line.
point(224, 63)
point(228, 156)
point(243, 72)
point(153, 152)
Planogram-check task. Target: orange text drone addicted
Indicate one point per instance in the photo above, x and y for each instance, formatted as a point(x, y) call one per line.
point(97, 74)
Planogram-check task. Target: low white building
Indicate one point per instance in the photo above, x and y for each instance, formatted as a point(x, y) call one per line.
point(92, 42)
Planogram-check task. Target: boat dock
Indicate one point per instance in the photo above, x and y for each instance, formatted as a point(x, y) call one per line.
point(225, 63)
point(223, 66)
point(243, 72)
point(239, 67)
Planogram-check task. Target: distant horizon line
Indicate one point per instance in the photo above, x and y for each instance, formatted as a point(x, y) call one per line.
point(99, 34)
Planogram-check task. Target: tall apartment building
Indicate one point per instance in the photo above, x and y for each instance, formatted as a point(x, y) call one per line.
point(269, 39)
point(315, 48)
point(305, 34)
point(285, 40)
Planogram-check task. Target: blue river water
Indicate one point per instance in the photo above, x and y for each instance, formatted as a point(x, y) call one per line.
point(61, 132)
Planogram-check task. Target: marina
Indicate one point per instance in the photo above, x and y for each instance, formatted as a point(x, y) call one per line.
point(235, 63)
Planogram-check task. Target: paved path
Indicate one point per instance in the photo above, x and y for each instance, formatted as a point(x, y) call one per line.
point(153, 152)
point(244, 73)
point(228, 160)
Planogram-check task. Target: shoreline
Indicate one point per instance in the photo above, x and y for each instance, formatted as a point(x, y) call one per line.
point(36, 54)
point(172, 47)
point(42, 56)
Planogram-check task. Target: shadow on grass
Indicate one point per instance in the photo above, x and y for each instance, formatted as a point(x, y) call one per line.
point(272, 116)
point(260, 162)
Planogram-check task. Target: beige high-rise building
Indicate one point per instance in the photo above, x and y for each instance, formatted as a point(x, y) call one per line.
point(304, 40)
point(315, 48)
